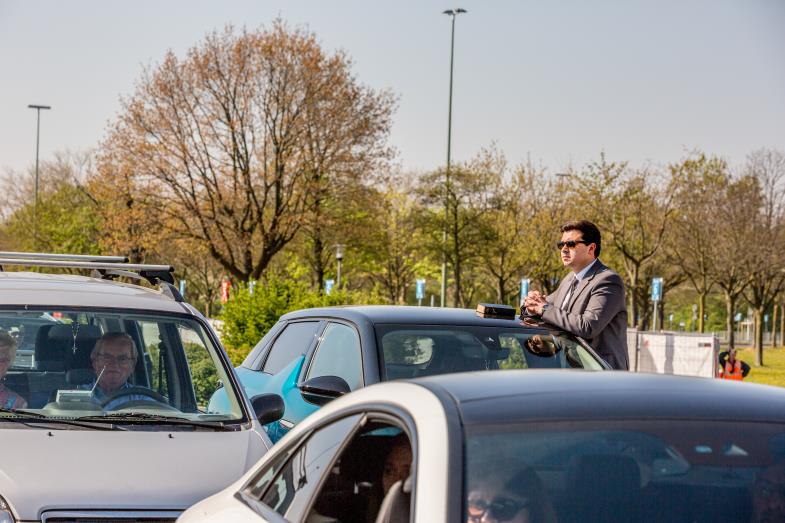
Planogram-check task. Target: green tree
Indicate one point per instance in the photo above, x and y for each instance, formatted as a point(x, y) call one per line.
point(633, 210)
point(248, 316)
point(459, 207)
point(66, 219)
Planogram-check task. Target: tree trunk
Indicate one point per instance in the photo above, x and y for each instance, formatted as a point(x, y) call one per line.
point(318, 266)
point(730, 305)
point(758, 315)
point(634, 309)
point(701, 311)
point(782, 324)
point(500, 290)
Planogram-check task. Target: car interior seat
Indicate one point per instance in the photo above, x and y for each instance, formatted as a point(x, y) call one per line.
point(58, 351)
point(603, 488)
point(77, 341)
point(397, 503)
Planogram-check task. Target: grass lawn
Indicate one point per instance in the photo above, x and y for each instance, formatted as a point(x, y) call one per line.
point(773, 371)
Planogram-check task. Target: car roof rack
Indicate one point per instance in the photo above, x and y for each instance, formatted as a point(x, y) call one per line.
point(103, 267)
point(62, 257)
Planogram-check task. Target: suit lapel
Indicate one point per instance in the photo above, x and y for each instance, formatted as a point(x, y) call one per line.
point(584, 284)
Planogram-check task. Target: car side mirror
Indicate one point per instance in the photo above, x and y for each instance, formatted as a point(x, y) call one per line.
point(267, 407)
point(323, 389)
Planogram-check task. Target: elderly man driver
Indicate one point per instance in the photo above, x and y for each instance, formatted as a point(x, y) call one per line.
point(113, 359)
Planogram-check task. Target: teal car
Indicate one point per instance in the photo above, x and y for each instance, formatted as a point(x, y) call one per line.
point(312, 356)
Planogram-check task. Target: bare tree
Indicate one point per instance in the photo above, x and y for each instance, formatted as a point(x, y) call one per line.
point(738, 211)
point(767, 279)
point(698, 182)
point(220, 143)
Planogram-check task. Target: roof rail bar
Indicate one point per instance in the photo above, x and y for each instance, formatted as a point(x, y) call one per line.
point(62, 257)
point(159, 272)
point(152, 276)
point(163, 279)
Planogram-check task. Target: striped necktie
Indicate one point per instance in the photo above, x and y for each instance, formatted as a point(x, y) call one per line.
point(570, 292)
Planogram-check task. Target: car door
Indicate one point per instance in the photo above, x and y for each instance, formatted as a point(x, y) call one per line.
point(336, 353)
point(340, 471)
point(277, 367)
point(286, 486)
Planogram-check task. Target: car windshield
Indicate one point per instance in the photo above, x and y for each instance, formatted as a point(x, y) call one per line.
point(410, 351)
point(689, 471)
point(95, 364)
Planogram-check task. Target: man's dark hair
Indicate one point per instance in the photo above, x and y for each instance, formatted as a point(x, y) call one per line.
point(589, 233)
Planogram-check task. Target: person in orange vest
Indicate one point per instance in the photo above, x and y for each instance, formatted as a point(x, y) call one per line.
point(732, 368)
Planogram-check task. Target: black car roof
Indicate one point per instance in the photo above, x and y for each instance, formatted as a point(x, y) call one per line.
point(400, 314)
point(511, 396)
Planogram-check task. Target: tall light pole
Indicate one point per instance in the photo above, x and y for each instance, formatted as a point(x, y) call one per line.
point(453, 13)
point(339, 257)
point(37, 141)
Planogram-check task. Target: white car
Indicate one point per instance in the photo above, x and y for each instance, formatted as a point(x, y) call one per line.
point(78, 448)
point(520, 446)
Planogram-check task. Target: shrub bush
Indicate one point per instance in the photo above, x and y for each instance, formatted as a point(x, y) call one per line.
point(247, 317)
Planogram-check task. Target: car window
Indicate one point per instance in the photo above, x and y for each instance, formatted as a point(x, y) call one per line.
point(156, 368)
point(293, 487)
point(292, 343)
point(410, 350)
point(99, 362)
point(375, 459)
point(634, 470)
point(24, 329)
point(338, 354)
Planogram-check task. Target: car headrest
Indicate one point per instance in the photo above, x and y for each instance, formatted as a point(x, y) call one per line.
point(67, 331)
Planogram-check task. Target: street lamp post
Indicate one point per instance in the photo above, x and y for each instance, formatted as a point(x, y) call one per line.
point(339, 257)
point(453, 13)
point(37, 141)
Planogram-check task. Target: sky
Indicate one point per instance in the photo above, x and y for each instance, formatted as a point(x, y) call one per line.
point(551, 82)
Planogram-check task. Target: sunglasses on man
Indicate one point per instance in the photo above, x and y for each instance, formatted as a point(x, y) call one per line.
point(500, 509)
point(570, 243)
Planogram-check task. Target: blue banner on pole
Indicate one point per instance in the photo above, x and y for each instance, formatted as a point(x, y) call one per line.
point(656, 289)
point(524, 287)
point(420, 289)
point(328, 286)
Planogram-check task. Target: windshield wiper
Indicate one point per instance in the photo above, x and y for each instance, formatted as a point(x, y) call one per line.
point(145, 418)
point(32, 419)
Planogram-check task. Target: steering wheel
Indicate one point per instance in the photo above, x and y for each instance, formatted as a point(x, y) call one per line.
point(134, 391)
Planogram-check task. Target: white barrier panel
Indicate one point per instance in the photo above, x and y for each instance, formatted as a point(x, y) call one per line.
point(673, 353)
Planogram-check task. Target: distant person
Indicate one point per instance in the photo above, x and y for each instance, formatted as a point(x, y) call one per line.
point(732, 368)
point(519, 498)
point(8, 398)
point(589, 302)
point(397, 463)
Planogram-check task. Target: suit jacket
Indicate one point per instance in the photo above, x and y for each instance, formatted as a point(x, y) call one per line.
point(597, 312)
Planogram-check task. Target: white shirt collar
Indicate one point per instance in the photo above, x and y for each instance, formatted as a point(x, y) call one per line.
point(579, 276)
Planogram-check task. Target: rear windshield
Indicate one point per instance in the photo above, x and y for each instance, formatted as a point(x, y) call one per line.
point(410, 351)
point(670, 471)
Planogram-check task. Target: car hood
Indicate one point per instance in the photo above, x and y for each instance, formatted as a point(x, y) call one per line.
point(79, 470)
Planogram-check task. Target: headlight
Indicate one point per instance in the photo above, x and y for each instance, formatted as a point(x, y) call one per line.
point(5, 512)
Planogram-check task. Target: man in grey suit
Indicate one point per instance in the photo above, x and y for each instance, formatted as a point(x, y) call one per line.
point(589, 302)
